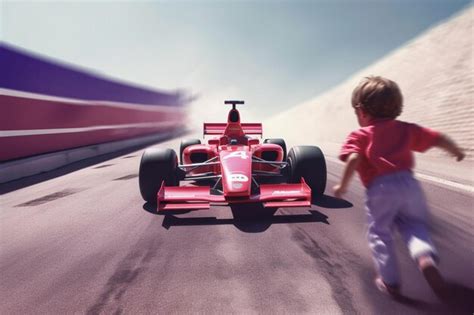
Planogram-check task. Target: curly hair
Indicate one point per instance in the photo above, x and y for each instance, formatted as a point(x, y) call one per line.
point(379, 97)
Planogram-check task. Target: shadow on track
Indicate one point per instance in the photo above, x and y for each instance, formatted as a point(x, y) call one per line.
point(250, 218)
point(330, 202)
point(459, 301)
point(461, 298)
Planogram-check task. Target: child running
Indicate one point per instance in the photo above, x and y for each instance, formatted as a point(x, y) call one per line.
point(381, 152)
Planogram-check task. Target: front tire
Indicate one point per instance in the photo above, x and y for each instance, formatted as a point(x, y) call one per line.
point(157, 165)
point(308, 162)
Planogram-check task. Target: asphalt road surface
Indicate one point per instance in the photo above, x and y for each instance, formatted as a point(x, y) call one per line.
point(85, 242)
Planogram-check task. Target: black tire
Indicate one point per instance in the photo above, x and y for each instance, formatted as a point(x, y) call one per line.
point(308, 162)
point(184, 144)
point(156, 165)
point(280, 142)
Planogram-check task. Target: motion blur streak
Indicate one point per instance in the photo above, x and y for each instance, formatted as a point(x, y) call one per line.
point(49, 107)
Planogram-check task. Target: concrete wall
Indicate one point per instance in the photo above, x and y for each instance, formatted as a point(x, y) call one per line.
point(435, 72)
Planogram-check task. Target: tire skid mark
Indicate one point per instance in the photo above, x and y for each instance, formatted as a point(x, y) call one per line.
point(50, 197)
point(130, 176)
point(124, 277)
point(330, 268)
point(103, 165)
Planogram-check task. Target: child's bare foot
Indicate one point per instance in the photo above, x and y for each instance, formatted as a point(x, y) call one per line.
point(432, 275)
point(392, 290)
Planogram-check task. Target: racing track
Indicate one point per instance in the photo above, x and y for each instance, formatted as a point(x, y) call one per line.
point(85, 242)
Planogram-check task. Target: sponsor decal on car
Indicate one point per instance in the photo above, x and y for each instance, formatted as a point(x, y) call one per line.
point(238, 178)
point(284, 192)
point(234, 128)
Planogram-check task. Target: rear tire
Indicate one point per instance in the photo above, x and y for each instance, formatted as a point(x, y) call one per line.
point(280, 142)
point(157, 165)
point(308, 162)
point(184, 144)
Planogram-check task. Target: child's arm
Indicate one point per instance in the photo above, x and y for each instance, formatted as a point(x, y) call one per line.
point(351, 165)
point(450, 146)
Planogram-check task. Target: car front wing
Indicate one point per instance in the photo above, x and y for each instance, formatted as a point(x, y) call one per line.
point(196, 198)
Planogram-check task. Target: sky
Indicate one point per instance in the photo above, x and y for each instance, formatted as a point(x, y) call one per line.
point(272, 54)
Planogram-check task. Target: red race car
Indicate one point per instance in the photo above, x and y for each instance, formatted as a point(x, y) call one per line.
point(234, 167)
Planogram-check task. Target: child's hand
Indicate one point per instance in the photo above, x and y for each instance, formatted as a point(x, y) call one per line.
point(460, 155)
point(351, 165)
point(451, 147)
point(339, 191)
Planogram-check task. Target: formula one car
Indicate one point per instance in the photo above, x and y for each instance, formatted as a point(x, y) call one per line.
point(234, 168)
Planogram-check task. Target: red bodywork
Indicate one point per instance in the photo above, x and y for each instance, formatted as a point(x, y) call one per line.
point(236, 159)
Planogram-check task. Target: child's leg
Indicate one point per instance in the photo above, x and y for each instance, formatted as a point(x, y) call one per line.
point(421, 249)
point(383, 251)
point(381, 210)
point(412, 224)
point(416, 236)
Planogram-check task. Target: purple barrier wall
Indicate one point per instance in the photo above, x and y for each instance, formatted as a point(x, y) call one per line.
point(23, 72)
point(47, 107)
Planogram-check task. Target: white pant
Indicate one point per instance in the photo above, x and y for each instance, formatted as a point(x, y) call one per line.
point(396, 200)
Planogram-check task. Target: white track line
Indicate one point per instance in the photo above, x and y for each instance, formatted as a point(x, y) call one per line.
point(83, 102)
point(429, 178)
point(36, 132)
point(446, 182)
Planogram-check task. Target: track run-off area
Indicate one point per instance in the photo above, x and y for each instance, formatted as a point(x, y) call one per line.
point(83, 241)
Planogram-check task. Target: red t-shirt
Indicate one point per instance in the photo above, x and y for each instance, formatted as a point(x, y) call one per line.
point(386, 145)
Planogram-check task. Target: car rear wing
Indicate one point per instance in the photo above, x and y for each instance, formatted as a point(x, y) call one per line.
point(219, 128)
